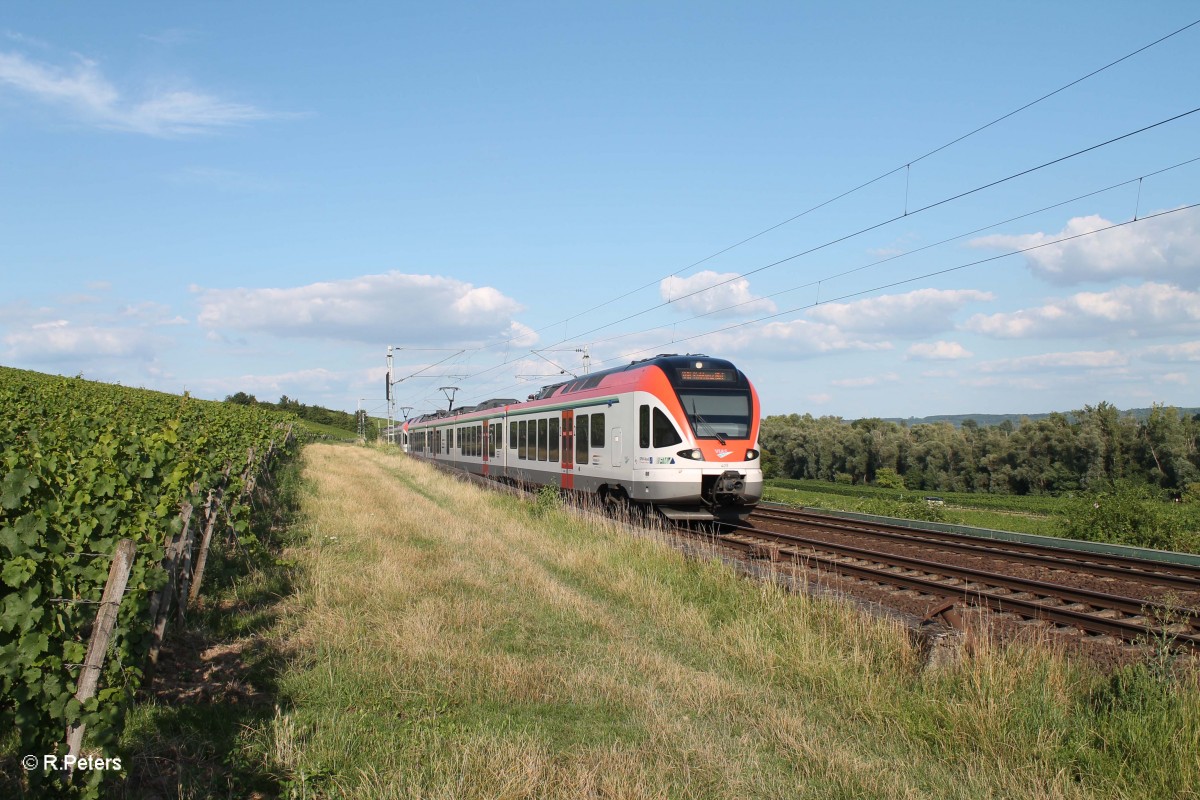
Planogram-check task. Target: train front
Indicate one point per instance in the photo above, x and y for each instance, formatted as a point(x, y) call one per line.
point(712, 454)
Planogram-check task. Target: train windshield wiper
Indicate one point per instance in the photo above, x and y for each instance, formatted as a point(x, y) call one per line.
point(696, 416)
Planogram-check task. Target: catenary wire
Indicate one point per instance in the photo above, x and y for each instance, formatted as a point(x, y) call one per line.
point(885, 222)
point(872, 181)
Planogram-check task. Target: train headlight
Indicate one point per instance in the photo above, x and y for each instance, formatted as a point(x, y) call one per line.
point(694, 455)
point(751, 454)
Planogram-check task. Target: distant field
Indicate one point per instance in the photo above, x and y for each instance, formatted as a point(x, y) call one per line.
point(1044, 505)
point(1143, 522)
point(319, 430)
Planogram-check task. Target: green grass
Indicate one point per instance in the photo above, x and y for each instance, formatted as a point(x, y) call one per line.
point(448, 643)
point(1032, 504)
point(319, 430)
point(917, 508)
point(1123, 515)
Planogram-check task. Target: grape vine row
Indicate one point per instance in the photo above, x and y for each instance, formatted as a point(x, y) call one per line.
point(84, 465)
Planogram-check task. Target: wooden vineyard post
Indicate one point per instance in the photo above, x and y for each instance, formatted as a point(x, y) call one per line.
point(161, 605)
point(210, 523)
point(106, 619)
point(185, 571)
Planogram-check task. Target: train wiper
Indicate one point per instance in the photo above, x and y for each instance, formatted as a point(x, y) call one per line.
point(711, 427)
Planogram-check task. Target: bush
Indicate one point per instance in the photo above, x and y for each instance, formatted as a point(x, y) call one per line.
point(887, 478)
point(1124, 513)
point(547, 501)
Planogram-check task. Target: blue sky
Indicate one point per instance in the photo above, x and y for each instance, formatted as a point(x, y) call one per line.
point(262, 197)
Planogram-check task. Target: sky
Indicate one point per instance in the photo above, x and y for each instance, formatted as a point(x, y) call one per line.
point(263, 197)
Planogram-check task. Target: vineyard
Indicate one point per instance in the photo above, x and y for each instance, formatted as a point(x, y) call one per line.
point(90, 471)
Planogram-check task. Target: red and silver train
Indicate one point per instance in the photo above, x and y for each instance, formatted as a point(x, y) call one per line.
point(677, 432)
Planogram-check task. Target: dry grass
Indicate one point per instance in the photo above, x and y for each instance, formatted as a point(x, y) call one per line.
point(461, 644)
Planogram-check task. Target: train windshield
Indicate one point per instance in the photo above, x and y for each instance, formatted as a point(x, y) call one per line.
point(717, 414)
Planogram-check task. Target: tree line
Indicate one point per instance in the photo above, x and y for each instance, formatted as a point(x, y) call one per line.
point(1082, 450)
point(312, 413)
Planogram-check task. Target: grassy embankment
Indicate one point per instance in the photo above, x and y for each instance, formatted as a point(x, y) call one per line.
point(452, 643)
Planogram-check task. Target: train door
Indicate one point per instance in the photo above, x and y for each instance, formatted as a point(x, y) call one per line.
point(568, 449)
point(485, 448)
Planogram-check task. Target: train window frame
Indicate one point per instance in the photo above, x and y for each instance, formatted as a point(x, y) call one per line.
point(552, 440)
point(541, 439)
point(664, 425)
point(523, 440)
point(597, 431)
point(644, 426)
point(512, 435)
point(581, 439)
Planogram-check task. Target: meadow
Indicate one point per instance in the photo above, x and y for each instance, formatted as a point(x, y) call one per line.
point(439, 641)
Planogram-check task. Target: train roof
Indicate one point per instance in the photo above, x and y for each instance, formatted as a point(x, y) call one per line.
point(679, 369)
point(694, 370)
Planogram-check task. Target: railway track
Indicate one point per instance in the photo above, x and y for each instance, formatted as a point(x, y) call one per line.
point(1132, 616)
point(937, 565)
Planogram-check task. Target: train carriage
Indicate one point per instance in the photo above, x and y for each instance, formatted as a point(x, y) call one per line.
point(677, 432)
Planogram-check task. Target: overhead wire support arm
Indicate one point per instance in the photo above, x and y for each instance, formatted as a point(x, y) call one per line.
point(390, 382)
point(561, 369)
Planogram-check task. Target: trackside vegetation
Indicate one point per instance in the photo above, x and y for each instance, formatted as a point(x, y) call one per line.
point(447, 642)
point(1118, 513)
point(1085, 449)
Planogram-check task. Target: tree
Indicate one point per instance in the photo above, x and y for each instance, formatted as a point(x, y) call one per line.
point(241, 399)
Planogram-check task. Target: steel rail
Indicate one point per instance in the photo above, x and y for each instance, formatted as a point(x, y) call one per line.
point(1125, 629)
point(1123, 567)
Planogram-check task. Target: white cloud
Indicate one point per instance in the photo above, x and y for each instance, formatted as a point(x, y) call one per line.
point(938, 351)
point(915, 313)
point(1145, 310)
point(1180, 378)
point(694, 294)
point(819, 399)
point(82, 88)
point(1008, 383)
point(301, 383)
point(1083, 359)
point(1164, 248)
point(1184, 351)
point(61, 340)
point(865, 381)
point(797, 339)
point(392, 307)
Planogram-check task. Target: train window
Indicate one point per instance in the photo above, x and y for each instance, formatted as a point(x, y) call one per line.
point(592, 382)
point(581, 439)
point(491, 441)
point(522, 450)
point(552, 440)
point(479, 441)
point(541, 436)
point(597, 431)
point(665, 434)
point(716, 414)
point(644, 426)
point(512, 435)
